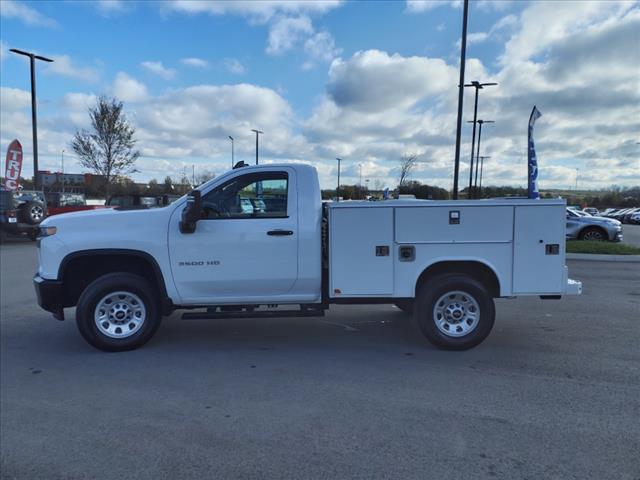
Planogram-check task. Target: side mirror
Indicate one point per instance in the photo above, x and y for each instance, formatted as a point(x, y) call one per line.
point(191, 213)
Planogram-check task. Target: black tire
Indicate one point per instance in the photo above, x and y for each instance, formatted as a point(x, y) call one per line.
point(32, 212)
point(593, 234)
point(432, 292)
point(405, 305)
point(109, 284)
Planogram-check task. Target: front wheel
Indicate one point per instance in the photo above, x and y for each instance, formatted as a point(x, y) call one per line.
point(593, 233)
point(454, 312)
point(117, 312)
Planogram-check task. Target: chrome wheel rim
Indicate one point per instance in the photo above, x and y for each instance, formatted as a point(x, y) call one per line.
point(593, 235)
point(119, 314)
point(456, 313)
point(37, 212)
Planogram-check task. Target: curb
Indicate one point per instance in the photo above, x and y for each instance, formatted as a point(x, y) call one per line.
point(593, 257)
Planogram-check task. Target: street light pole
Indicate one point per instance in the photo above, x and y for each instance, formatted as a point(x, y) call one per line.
point(480, 122)
point(34, 124)
point(258, 132)
point(360, 181)
point(338, 187)
point(62, 175)
point(232, 162)
point(577, 170)
point(463, 53)
point(478, 86)
point(481, 158)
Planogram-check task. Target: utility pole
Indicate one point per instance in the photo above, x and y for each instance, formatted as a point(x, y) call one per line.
point(193, 175)
point(360, 181)
point(478, 86)
point(34, 123)
point(338, 187)
point(258, 132)
point(463, 53)
point(577, 171)
point(481, 158)
point(480, 122)
point(232, 162)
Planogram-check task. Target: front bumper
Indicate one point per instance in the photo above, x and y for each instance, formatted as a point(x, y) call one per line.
point(49, 293)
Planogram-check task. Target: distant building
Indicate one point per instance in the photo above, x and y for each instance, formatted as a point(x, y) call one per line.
point(72, 181)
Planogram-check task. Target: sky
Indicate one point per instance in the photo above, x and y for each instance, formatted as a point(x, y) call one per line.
point(364, 81)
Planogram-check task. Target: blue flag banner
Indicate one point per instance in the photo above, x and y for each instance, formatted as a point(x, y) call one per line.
point(532, 161)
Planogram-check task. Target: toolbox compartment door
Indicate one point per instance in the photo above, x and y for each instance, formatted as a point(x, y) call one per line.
point(539, 249)
point(361, 252)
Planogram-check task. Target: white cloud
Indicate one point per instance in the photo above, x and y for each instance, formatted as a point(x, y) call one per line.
point(287, 32)
point(544, 24)
point(373, 80)
point(195, 62)
point(111, 7)
point(235, 66)
point(260, 11)
point(505, 23)
point(128, 89)
point(4, 50)
point(320, 47)
point(289, 22)
point(420, 6)
point(26, 14)
point(157, 68)
point(63, 65)
point(14, 99)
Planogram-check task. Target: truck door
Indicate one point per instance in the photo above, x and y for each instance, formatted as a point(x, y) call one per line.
point(246, 243)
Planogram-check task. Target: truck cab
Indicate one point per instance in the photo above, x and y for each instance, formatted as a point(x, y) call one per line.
point(260, 237)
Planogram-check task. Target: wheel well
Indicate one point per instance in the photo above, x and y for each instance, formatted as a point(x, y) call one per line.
point(80, 270)
point(477, 270)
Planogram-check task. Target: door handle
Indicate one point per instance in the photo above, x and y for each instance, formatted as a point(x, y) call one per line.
point(279, 233)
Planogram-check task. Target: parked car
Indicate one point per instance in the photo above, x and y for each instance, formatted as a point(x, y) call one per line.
point(32, 206)
point(592, 211)
point(635, 218)
point(627, 215)
point(66, 202)
point(583, 226)
point(619, 214)
point(13, 214)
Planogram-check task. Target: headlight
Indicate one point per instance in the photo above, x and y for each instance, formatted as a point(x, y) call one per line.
point(47, 231)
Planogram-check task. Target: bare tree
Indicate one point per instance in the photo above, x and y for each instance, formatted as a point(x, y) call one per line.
point(108, 149)
point(408, 162)
point(204, 176)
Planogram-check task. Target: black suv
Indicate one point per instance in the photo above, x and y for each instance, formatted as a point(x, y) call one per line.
point(21, 213)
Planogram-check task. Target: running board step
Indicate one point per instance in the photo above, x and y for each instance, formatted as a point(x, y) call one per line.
point(254, 314)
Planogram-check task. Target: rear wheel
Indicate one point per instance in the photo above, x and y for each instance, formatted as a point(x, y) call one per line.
point(454, 312)
point(117, 312)
point(593, 233)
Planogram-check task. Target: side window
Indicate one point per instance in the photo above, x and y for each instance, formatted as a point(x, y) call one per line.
point(255, 195)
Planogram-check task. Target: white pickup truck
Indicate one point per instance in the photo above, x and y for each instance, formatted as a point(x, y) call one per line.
point(258, 242)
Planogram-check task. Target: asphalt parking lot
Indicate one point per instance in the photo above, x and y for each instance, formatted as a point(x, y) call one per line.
point(554, 392)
